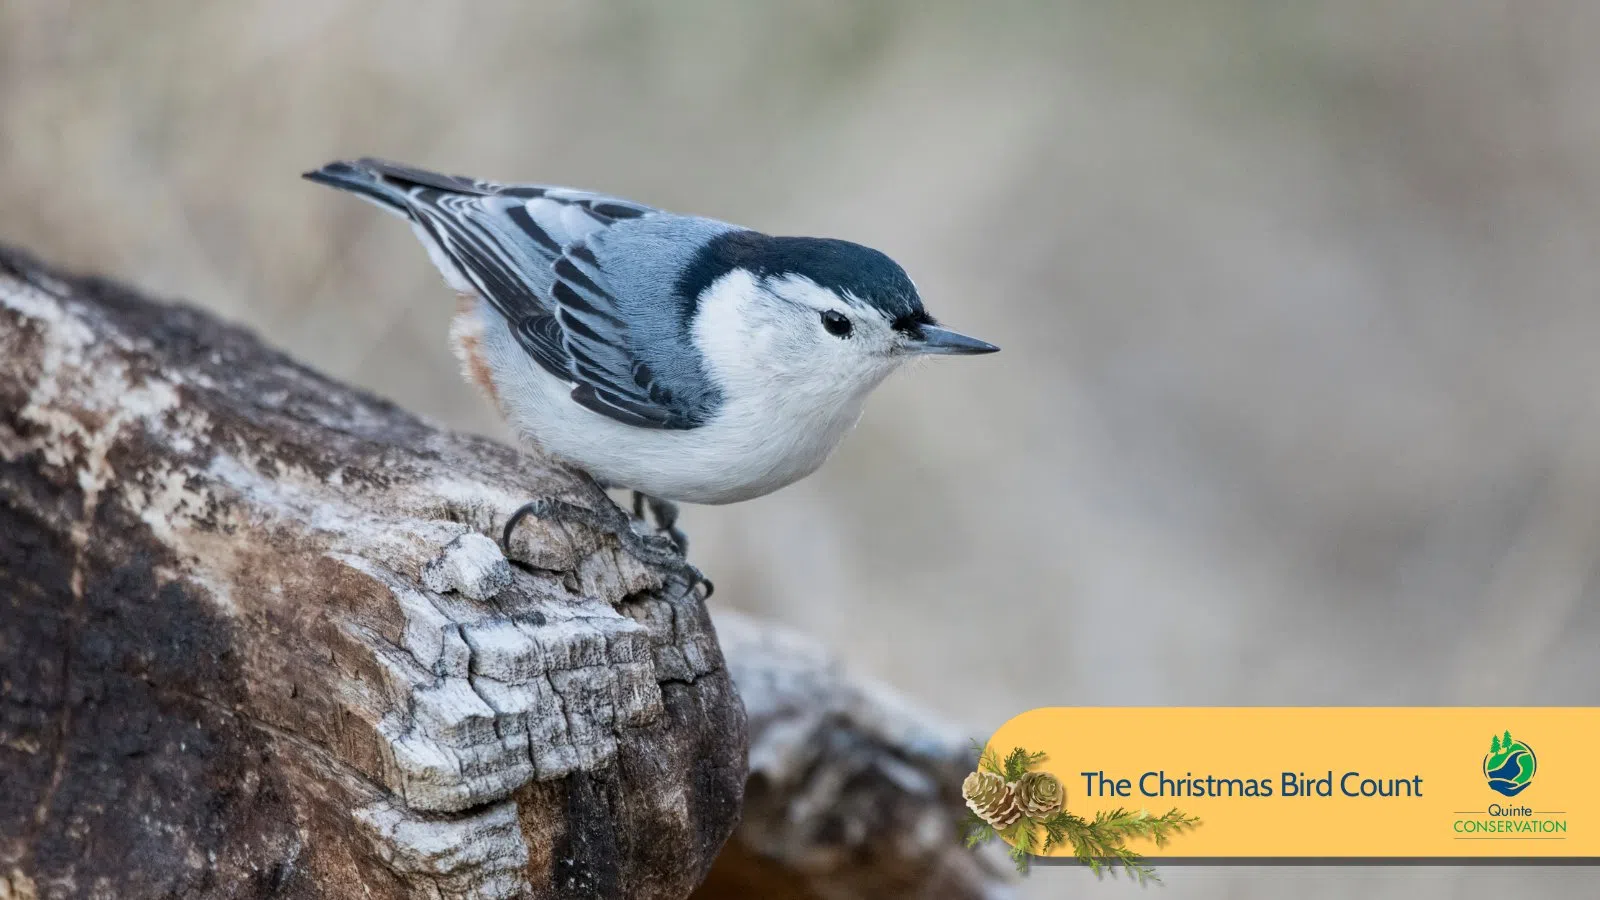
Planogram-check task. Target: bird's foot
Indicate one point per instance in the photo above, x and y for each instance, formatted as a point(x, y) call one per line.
point(653, 550)
point(665, 514)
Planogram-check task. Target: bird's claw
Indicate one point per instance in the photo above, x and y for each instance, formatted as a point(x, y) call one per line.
point(665, 514)
point(695, 578)
point(554, 510)
point(663, 551)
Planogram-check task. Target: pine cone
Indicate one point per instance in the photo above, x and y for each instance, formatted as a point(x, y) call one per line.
point(1038, 795)
point(988, 795)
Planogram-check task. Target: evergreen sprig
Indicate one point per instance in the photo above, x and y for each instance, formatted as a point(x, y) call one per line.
point(989, 761)
point(978, 831)
point(1022, 838)
point(1099, 843)
point(1019, 762)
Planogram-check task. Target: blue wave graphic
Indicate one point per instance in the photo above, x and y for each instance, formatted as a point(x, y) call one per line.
point(1503, 779)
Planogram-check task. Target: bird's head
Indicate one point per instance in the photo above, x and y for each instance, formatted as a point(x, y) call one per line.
point(813, 315)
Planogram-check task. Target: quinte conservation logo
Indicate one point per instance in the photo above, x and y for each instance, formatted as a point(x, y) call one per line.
point(1509, 769)
point(1510, 765)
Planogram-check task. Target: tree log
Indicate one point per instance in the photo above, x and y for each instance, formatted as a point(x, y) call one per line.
point(256, 641)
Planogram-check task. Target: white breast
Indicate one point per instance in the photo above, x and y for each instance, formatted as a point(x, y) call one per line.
point(766, 434)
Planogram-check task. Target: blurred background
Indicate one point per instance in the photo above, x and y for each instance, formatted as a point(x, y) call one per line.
point(1300, 305)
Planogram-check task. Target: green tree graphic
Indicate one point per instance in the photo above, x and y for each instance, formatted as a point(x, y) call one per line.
point(1494, 745)
point(1507, 744)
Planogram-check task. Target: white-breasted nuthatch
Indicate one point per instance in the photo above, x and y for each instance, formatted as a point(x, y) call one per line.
point(679, 357)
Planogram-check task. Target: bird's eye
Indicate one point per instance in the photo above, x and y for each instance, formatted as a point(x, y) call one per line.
point(837, 323)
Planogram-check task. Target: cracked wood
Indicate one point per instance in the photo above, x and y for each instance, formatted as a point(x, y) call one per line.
point(255, 640)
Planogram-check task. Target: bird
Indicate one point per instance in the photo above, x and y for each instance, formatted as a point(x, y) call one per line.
point(680, 357)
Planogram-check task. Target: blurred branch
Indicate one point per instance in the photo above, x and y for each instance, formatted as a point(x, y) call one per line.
point(853, 792)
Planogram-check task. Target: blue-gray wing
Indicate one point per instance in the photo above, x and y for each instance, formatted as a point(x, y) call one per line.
point(526, 250)
point(610, 374)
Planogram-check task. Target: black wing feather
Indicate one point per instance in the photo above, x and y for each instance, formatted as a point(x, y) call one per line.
point(614, 380)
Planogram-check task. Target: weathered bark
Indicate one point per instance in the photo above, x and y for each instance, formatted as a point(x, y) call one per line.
point(255, 641)
point(854, 794)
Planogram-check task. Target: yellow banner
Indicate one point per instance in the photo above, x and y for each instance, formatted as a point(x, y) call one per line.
point(1332, 782)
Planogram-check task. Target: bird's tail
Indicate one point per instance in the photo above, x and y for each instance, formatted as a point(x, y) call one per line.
point(365, 182)
point(388, 184)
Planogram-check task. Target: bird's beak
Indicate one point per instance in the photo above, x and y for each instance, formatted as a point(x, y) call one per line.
point(937, 341)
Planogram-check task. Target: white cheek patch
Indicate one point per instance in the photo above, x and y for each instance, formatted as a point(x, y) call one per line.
point(722, 327)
